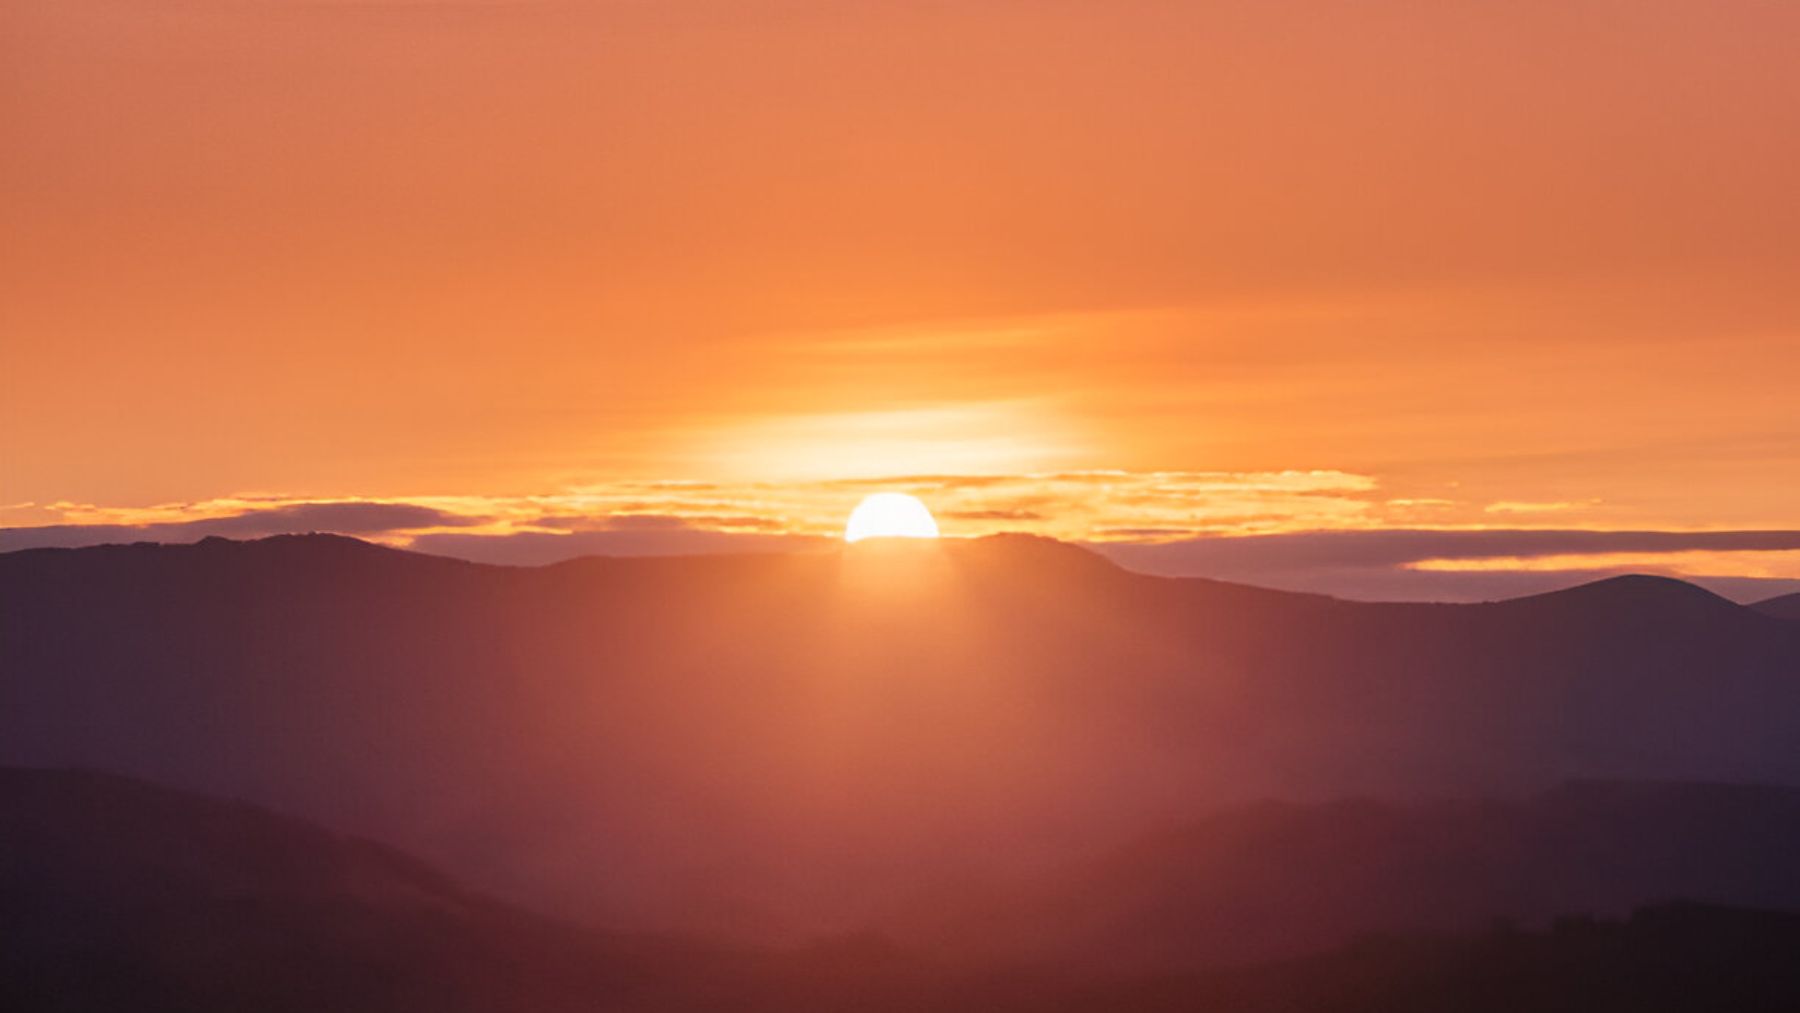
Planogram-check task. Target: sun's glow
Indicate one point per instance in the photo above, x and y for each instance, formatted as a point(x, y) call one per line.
point(890, 515)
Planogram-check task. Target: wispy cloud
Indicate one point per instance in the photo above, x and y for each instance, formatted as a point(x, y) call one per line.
point(1474, 564)
point(1327, 531)
point(538, 548)
point(1072, 505)
point(340, 517)
point(1522, 507)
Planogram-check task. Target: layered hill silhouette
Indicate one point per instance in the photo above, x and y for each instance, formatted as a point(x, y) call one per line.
point(1278, 880)
point(116, 894)
point(123, 895)
point(1786, 606)
point(769, 747)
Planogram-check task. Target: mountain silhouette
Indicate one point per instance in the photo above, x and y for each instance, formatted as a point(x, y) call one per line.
point(1786, 606)
point(1269, 880)
point(124, 895)
point(768, 747)
point(118, 894)
point(1671, 958)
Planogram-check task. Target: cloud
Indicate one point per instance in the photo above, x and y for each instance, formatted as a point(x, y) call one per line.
point(998, 514)
point(1320, 530)
point(1522, 507)
point(1168, 523)
point(539, 548)
point(345, 518)
point(666, 522)
point(1311, 549)
point(1423, 564)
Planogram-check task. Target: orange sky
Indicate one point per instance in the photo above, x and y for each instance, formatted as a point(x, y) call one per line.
point(1530, 264)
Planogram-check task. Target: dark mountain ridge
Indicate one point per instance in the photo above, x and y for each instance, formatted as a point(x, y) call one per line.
point(768, 745)
point(117, 894)
point(1274, 880)
point(1785, 606)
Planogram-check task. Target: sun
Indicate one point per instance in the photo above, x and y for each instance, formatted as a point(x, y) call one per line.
point(890, 515)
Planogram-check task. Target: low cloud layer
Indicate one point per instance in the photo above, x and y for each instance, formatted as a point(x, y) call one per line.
point(1321, 531)
point(1461, 565)
point(344, 518)
point(540, 548)
point(1312, 550)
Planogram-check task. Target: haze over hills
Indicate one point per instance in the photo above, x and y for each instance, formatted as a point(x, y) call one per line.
point(123, 895)
point(1276, 880)
point(768, 747)
point(808, 506)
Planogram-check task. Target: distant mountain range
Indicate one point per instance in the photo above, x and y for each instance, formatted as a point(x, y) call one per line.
point(120, 895)
point(116, 894)
point(769, 747)
point(1276, 880)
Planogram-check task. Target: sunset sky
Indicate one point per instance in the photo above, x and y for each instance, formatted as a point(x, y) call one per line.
point(1450, 299)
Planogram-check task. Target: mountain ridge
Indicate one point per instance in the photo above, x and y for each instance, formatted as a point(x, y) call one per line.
point(171, 900)
point(1277, 879)
point(1002, 546)
point(773, 727)
point(1786, 606)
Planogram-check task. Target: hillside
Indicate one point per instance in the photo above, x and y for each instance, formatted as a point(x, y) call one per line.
point(123, 895)
point(1271, 880)
point(774, 746)
point(1786, 606)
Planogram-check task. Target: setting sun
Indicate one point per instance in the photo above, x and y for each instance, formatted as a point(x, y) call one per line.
point(470, 475)
point(890, 515)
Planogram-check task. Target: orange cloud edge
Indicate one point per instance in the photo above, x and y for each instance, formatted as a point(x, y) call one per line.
point(1274, 527)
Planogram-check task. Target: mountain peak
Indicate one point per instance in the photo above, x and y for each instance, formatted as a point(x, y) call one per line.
point(1785, 606)
point(1027, 559)
point(310, 541)
point(1632, 590)
point(1033, 550)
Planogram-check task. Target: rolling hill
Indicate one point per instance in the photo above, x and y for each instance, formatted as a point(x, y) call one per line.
point(1786, 606)
point(118, 894)
point(1271, 881)
point(773, 746)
